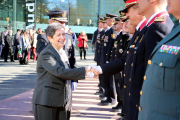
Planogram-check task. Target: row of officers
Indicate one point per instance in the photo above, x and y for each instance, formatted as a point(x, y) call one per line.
point(137, 55)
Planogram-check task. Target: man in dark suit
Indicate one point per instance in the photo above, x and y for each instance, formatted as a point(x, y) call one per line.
point(3, 37)
point(8, 46)
point(78, 23)
point(16, 43)
point(90, 24)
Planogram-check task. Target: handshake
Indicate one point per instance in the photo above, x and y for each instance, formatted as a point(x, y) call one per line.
point(93, 71)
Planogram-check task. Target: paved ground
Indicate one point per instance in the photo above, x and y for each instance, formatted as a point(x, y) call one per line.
point(16, 89)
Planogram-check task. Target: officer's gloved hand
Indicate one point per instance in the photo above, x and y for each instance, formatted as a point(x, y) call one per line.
point(74, 85)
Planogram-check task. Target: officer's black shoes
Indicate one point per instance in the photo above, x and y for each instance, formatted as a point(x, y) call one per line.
point(84, 58)
point(117, 108)
point(107, 102)
point(102, 97)
point(5, 61)
point(13, 61)
point(121, 114)
point(98, 93)
point(80, 58)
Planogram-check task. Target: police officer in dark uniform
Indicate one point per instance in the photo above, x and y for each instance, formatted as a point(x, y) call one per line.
point(106, 50)
point(3, 37)
point(119, 46)
point(96, 33)
point(123, 63)
point(99, 44)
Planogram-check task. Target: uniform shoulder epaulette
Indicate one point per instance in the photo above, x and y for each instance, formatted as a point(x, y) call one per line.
point(159, 19)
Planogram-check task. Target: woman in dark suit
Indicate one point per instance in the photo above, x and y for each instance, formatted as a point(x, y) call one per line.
point(82, 44)
point(52, 93)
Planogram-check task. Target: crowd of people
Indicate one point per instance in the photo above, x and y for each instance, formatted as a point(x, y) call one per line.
point(21, 46)
point(137, 56)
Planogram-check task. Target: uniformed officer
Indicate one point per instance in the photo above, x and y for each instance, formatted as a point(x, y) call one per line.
point(106, 50)
point(96, 33)
point(120, 44)
point(160, 98)
point(97, 43)
point(124, 63)
point(2, 41)
point(158, 26)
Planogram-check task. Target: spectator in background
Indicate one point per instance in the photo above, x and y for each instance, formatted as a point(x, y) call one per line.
point(39, 31)
point(25, 46)
point(16, 43)
point(90, 23)
point(78, 23)
point(82, 43)
point(33, 43)
point(8, 46)
point(3, 37)
point(73, 36)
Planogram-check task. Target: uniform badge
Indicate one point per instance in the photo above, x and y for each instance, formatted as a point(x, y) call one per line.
point(106, 39)
point(98, 37)
point(132, 46)
point(169, 49)
point(115, 44)
point(120, 50)
point(113, 36)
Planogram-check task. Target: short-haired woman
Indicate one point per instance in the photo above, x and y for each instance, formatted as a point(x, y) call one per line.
point(82, 44)
point(52, 93)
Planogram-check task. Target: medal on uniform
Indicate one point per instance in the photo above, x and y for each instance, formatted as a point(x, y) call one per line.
point(104, 44)
point(120, 50)
point(106, 39)
point(121, 40)
point(132, 46)
point(169, 49)
point(115, 44)
point(113, 36)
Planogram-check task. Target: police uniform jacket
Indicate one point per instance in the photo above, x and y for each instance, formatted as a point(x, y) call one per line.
point(160, 98)
point(153, 33)
point(106, 41)
point(94, 43)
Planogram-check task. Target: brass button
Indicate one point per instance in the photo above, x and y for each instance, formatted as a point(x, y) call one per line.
point(140, 109)
point(129, 94)
point(135, 52)
point(149, 62)
point(132, 65)
point(160, 64)
point(129, 79)
point(127, 52)
point(106, 54)
point(125, 64)
point(115, 55)
point(124, 75)
point(136, 105)
point(111, 51)
point(145, 77)
point(141, 92)
point(124, 86)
